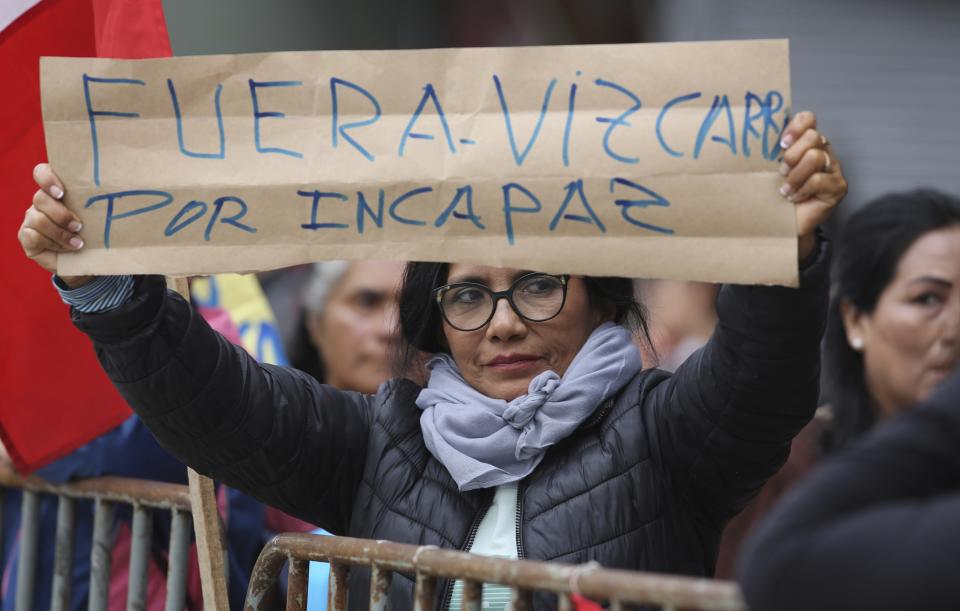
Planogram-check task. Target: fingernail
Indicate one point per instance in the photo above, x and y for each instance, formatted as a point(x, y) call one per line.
point(784, 169)
point(56, 192)
point(76, 243)
point(75, 226)
point(786, 141)
point(786, 189)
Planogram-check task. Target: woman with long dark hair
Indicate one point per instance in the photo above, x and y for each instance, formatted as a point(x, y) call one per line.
point(894, 328)
point(537, 434)
point(892, 338)
point(893, 332)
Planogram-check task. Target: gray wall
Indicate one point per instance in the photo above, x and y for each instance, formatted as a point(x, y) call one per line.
point(250, 26)
point(883, 77)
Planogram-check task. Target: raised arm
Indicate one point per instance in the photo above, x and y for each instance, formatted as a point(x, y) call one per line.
point(724, 421)
point(272, 432)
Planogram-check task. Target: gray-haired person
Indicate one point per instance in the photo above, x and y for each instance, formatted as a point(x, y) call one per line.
point(349, 332)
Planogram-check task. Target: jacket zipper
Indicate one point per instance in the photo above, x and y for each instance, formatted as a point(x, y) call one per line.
point(521, 554)
point(600, 414)
point(472, 534)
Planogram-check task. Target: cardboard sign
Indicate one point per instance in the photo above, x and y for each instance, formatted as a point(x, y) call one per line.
point(644, 160)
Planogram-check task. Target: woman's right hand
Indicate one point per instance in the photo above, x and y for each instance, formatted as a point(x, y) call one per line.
point(49, 227)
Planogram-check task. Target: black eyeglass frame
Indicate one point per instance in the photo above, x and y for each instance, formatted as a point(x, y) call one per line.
point(498, 295)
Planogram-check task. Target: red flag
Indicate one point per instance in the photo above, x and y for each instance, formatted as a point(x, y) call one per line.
point(130, 29)
point(55, 397)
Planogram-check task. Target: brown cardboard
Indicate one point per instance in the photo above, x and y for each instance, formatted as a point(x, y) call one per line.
point(728, 221)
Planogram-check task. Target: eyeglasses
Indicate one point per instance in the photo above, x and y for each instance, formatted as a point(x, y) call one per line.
point(468, 306)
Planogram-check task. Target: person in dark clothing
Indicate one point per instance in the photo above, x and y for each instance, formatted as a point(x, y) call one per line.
point(874, 528)
point(537, 434)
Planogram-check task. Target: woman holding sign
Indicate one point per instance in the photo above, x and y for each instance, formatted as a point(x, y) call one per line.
point(537, 435)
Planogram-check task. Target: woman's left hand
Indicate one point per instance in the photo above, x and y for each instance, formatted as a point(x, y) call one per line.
point(813, 177)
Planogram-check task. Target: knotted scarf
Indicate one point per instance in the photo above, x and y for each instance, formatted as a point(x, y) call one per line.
point(486, 442)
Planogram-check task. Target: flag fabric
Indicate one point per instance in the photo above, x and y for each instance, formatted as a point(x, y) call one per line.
point(130, 29)
point(55, 397)
point(249, 321)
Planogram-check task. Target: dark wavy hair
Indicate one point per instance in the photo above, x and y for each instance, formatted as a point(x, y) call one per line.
point(871, 244)
point(421, 322)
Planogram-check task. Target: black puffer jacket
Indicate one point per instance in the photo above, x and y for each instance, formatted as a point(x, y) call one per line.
point(648, 483)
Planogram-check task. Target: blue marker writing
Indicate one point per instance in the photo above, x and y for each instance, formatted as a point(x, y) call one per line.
point(663, 113)
point(618, 121)
point(396, 204)
point(176, 110)
point(92, 114)
point(751, 99)
point(767, 108)
point(517, 155)
point(571, 103)
point(316, 196)
point(176, 224)
point(720, 104)
point(113, 198)
point(339, 130)
point(364, 209)
point(509, 209)
point(431, 95)
point(233, 221)
point(463, 193)
point(258, 114)
point(576, 188)
point(627, 205)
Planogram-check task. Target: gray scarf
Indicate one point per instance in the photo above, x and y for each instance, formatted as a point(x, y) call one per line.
point(486, 442)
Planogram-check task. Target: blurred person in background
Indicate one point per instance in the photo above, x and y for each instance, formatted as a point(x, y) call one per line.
point(894, 329)
point(892, 336)
point(682, 315)
point(349, 330)
point(348, 336)
point(875, 527)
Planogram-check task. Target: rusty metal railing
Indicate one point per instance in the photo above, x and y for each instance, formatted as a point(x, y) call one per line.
point(429, 564)
point(106, 493)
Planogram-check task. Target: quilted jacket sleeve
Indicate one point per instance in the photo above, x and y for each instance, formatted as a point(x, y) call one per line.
point(214, 407)
point(722, 424)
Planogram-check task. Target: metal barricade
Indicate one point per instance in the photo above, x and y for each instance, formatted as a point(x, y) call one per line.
point(524, 577)
point(106, 493)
